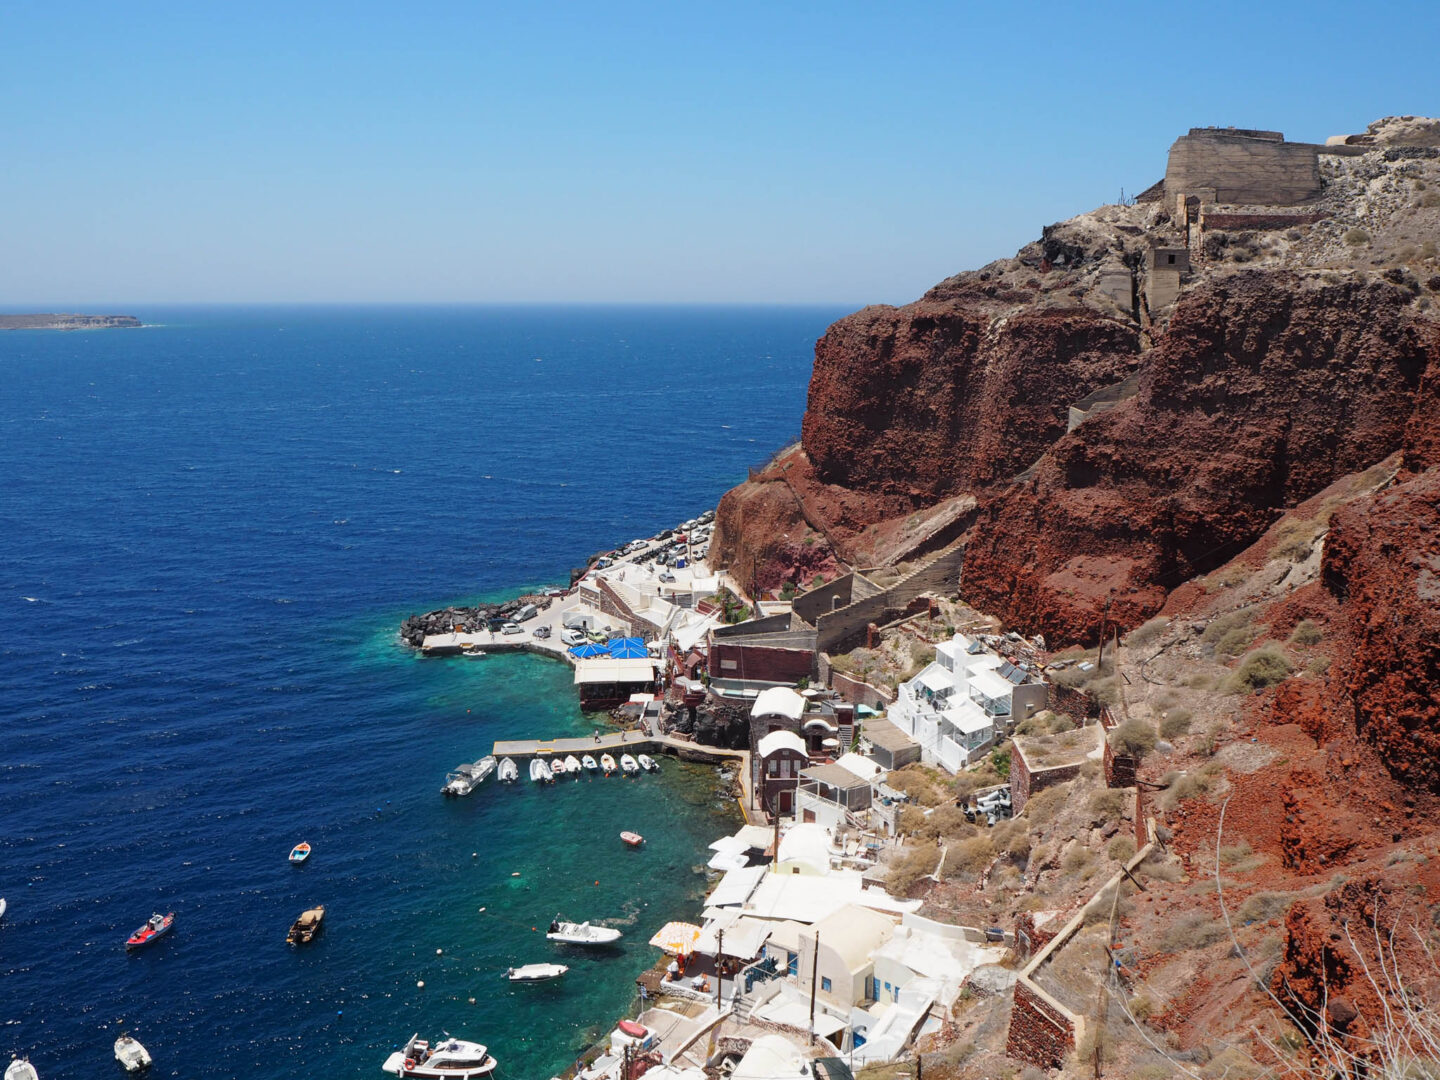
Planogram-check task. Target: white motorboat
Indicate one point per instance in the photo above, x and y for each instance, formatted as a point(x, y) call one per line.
point(536, 972)
point(558, 768)
point(540, 772)
point(466, 778)
point(2, 907)
point(131, 1054)
point(569, 933)
point(21, 1069)
point(507, 772)
point(648, 763)
point(473, 651)
point(448, 1059)
point(589, 763)
point(628, 765)
point(607, 763)
point(572, 765)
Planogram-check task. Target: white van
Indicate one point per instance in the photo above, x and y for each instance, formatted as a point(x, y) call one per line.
point(529, 611)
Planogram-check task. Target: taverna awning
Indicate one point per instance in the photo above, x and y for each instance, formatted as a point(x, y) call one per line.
point(676, 938)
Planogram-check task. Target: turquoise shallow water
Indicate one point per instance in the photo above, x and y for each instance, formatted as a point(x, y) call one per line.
point(208, 534)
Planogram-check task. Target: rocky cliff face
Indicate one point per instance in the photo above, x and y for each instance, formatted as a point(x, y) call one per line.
point(1267, 386)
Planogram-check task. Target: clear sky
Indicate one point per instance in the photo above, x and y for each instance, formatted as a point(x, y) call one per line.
point(773, 152)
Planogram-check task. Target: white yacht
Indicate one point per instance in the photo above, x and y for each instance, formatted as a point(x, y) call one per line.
point(130, 1054)
point(448, 1059)
point(569, 933)
point(628, 765)
point(540, 772)
point(507, 772)
point(466, 778)
point(536, 972)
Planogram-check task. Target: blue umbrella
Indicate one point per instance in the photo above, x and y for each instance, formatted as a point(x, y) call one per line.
point(628, 648)
point(589, 649)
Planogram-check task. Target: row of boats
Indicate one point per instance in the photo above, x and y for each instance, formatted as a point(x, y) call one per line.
point(467, 777)
point(128, 1052)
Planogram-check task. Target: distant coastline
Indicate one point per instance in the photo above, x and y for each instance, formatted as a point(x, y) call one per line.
point(54, 321)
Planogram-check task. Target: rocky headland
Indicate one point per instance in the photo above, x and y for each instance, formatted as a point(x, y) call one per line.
point(66, 322)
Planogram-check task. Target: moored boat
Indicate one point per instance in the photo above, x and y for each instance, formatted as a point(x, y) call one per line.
point(300, 852)
point(540, 772)
point(589, 763)
point(475, 652)
point(572, 765)
point(628, 765)
point(507, 772)
point(569, 933)
point(466, 778)
point(21, 1069)
point(536, 972)
point(558, 768)
point(607, 763)
point(448, 1059)
point(2, 907)
point(157, 926)
point(306, 926)
point(634, 839)
point(130, 1054)
point(648, 763)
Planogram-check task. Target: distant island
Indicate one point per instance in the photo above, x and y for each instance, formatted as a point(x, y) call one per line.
point(66, 322)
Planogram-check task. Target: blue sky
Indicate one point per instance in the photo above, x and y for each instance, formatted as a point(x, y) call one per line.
point(774, 152)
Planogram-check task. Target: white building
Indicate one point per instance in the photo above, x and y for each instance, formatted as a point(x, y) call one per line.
point(963, 702)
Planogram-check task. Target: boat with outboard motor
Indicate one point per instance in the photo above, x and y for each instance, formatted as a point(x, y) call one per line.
point(130, 1054)
point(558, 767)
point(300, 852)
point(607, 763)
point(647, 763)
point(306, 926)
point(572, 765)
point(628, 765)
point(540, 772)
point(507, 772)
point(156, 927)
point(569, 933)
point(448, 1059)
point(21, 1069)
point(536, 972)
point(589, 763)
point(632, 839)
point(468, 776)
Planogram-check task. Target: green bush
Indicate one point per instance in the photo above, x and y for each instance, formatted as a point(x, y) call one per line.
point(1134, 737)
point(1000, 759)
point(1259, 668)
point(1306, 632)
point(1108, 803)
point(1221, 625)
point(1234, 642)
point(1174, 723)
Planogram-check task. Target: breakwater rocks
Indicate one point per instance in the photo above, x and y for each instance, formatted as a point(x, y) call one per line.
point(466, 620)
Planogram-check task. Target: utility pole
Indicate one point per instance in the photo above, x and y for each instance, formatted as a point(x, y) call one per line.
point(814, 969)
point(720, 969)
point(1104, 617)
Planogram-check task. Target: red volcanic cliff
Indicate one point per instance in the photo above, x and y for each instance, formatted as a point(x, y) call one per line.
point(1267, 386)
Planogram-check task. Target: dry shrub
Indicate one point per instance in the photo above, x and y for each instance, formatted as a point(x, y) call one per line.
point(1174, 723)
point(1356, 237)
point(1134, 737)
point(916, 863)
point(1224, 624)
point(1263, 906)
point(1180, 786)
point(1295, 538)
point(1044, 805)
point(1162, 870)
point(1259, 668)
point(1234, 642)
point(969, 856)
point(1192, 930)
point(919, 783)
point(1147, 632)
point(1122, 848)
point(1306, 632)
point(1236, 853)
point(910, 821)
point(1077, 858)
point(1108, 803)
point(948, 821)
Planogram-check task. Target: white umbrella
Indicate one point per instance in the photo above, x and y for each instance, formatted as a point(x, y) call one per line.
point(676, 938)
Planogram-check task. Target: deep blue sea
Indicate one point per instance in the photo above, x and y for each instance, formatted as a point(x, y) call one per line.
point(209, 531)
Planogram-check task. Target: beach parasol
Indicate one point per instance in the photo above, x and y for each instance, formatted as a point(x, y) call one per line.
point(628, 648)
point(589, 649)
point(676, 938)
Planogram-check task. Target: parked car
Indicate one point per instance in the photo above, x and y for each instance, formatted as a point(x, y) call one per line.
point(511, 628)
point(541, 631)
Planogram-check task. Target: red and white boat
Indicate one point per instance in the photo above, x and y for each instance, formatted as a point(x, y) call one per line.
point(634, 839)
point(300, 852)
point(448, 1059)
point(155, 927)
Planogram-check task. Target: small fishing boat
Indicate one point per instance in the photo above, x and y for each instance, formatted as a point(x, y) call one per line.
point(466, 778)
point(558, 768)
point(648, 763)
point(156, 927)
point(569, 933)
point(589, 763)
point(306, 926)
point(21, 1069)
point(131, 1054)
point(628, 765)
point(475, 652)
point(536, 972)
point(632, 1029)
point(448, 1059)
point(507, 772)
point(607, 763)
point(300, 852)
point(2, 907)
point(634, 839)
point(572, 765)
point(540, 772)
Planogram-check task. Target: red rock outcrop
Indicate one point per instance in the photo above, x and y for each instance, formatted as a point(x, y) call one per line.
point(1266, 387)
point(948, 395)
